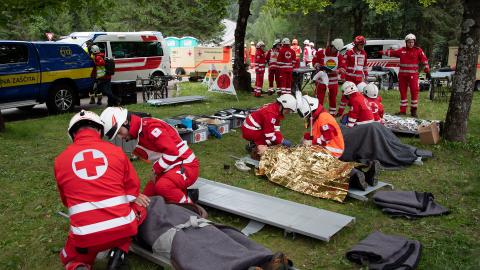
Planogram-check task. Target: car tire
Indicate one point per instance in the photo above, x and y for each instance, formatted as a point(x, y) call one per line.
point(61, 98)
point(180, 71)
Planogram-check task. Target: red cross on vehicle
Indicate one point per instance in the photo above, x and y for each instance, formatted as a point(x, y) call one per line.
point(90, 164)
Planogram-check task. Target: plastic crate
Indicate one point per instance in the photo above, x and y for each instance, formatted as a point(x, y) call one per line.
point(194, 136)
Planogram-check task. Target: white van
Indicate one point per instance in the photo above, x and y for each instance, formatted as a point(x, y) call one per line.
point(375, 59)
point(137, 54)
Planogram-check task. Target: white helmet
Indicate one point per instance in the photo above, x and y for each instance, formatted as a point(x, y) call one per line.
point(113, 119)
point(349, 88)
point(337, 43)
point(286, 41)
point(306, 105)
point(260, 44)
point(288, 102)
point(410, 36)
point(361, 86)
point(84, 118)
point(312, 44)
point(321, 77)
point(95, 49)
point(277, 41)
point(306, 42)
point(371, 90)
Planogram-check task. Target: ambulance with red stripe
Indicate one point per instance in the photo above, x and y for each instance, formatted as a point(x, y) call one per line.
point(136, 54)
point(374, 59)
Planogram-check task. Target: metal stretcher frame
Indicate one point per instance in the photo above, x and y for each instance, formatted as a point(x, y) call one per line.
point(352, 192)
point(175, 100)
point(262, 209)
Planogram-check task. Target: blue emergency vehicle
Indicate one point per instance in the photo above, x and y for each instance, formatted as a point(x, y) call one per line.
point(44, 72)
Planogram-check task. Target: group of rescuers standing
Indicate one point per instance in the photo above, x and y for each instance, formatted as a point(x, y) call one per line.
point(99, 185)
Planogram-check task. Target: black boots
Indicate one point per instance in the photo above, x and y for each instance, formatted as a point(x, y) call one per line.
point(413, 112)
point(357, 179)
point(99, 99)
point(92, 99)
point(117, 260)
point(372, 171)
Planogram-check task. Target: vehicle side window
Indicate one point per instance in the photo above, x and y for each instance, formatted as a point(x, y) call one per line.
point(13, 53)
point(372, 50)
point(103, 47)
point(131, 49)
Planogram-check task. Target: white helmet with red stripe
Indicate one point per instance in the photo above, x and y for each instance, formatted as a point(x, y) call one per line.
point(84, 118)
point(113, 118)
point(349, 88)
point(288, 102)
point(371, 90)
point(337, 43)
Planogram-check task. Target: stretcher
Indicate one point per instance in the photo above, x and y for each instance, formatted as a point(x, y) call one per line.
point(352, 192)
point(175, 100)
point(262, 209)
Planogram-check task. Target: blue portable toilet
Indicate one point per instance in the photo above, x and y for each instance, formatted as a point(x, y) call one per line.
point(172, 42)
point(188, 42)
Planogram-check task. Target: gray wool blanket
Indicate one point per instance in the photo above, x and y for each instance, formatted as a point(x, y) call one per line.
point(203, 245)
point(382, 251)
point(376, 142)
point(409, 204)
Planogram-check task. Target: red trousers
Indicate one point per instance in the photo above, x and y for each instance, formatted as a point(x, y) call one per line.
point(285, 81)
point(259, 81)
point(257, 136)
point(172, 185)
point(73, 256)
point(405, 81)
point(332, 96)
point(273, 75)
point(252, 61)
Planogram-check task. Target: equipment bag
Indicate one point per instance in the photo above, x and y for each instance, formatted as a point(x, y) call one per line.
point(109, 66)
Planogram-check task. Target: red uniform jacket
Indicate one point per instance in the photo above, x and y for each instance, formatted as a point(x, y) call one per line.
point(160, 143)
point(356, 65)
point(376, 106)
point(359, 113)
point(271, 58)
point(409, 59)
point(100, 62)
point(325, 55)
point(98, 184)
point(286, 58)
point(267, 120)
point(260, 61)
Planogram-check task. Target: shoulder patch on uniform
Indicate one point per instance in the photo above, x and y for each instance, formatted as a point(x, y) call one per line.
point(156, 132)
point(274, 120)
point(325, 127)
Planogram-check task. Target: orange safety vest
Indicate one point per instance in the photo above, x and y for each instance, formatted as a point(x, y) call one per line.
point(327, 133)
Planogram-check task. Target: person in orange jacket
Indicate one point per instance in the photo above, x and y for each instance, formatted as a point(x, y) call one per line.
point(100, 188)
point(251, 54)
point(325, 132)
point(410, 58)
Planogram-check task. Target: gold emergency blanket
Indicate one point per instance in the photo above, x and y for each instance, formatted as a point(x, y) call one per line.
point(307, 169)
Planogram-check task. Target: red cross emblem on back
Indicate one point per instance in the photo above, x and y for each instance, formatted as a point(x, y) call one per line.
point(89, 164)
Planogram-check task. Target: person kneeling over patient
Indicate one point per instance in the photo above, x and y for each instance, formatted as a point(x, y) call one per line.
point(101, 189)
point(262, 127)
point(325, 132)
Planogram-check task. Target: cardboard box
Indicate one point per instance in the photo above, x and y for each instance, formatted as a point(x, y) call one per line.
point(429, 134)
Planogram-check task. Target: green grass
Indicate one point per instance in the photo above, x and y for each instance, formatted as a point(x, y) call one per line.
point(32, 233)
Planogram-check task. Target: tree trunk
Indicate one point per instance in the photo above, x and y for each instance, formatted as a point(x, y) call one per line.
point(241, 77)
point(464, 78)
point(357, 22)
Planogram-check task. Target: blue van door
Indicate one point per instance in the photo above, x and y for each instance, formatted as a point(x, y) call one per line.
point(19, 72)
